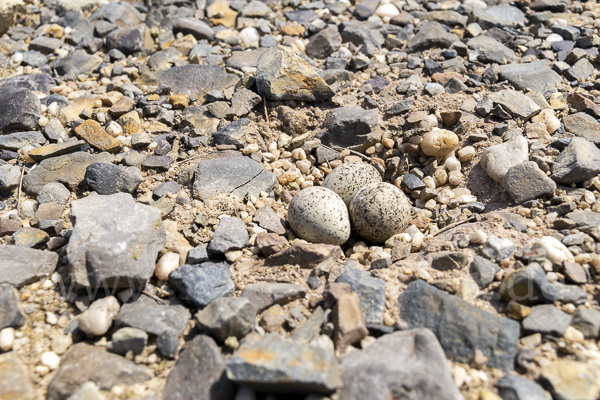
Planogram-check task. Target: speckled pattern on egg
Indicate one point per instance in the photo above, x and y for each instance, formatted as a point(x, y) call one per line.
point(318, 215)
point(349, 178)
point(379, 211)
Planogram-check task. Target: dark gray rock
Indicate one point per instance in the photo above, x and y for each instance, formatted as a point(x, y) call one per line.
point(430, 35)
point(448, 260)
point(568, 293)
point(105, 178)
point(330, 76)
point(227, 316)
point(68, 170)
point(324, 43)
point(527, 181)
point(34, 82)
point(578, 162)
point(21, 266)
point(126, 339)
point(230, 234)
point(30, 237)
point(587, 321)
point(584, 126)
point(17, 140)
point(195, 80)
point(400, 107)
point(45, 44)
point(166, 188)
point(512, 220)
point(21, 109)
point(203, 283)
point(199, 373)
point(198, 255)
point(514, 387)
point(130, 40)
point(350, 127)
point(11, 314)
point(231, 172)
point(84, 363)
point(528, 285)
point(76, 63)
point(10, 176)
point(401, 365)
point(583, 218)
point(282, 75)
point(485, 45)
point(243, 101)
point(499, 16)
point(167, 343)
point(115, 241)
point(277, 364)
point(371, 292)
point(158, 162)
point(55, 131)
point(161, 60)
point(153, 318)
point(547, 320)
point(234, 133)
point(54, 193)
point(34, 59)
point(582, 69)
point(264, 295)
point(301, 16)
point(498, 249)
point(460, 327)
point(195, 27)
point(483, 271)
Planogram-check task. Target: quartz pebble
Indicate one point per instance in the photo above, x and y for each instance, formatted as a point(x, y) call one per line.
point(97, 319)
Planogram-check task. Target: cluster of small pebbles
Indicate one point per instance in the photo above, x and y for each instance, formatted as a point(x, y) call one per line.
point(296, 199)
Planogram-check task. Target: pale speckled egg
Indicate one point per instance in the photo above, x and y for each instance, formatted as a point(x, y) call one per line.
point(349, 178)
point(319, 215)
point(379, 211)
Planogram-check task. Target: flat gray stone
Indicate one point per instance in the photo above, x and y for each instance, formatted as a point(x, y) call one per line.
point(115, 241)
point(514, 387)
point(401, 365)
point(199, 373)
point(21, 266)
point(579, 161)
point(203, 283)
point(269, 220)
point(535, 76)
point(231, 172)
point(245, 59)
point(153, 318)
point(11, 314)
point(547, 320)
point(371, 292)
point(587, 321)
point(430, 35)
point(483, 271)
point(277, 364)
point(527, 181)
point(460, 327)
point(583, 125)
point(227, 316)
point(10, 175)
point(496, 160)
point(486, 45)
point(583, 218)
point(84, 362)
point(106, 178)
point(516, 103)
point(350, 127)
point(78, 62)
point(503, 15)
point(230, 234)
point(16, 141)
point(194, 80)
point(264, 295)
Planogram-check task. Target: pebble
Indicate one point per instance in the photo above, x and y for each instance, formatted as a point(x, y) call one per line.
point(168, 263)
point(98, 318)
point(555, 250)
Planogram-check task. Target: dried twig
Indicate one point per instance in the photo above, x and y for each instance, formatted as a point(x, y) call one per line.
point(20, 190)
point(188, 159)
point(448, 227)
point(265, 105)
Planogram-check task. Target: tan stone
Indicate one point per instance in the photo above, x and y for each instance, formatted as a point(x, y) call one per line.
point(178, 101)
point(130, 122)
point(72, 111)
point(14, 383)
point(270, 243)
point(96, 136)
point(111, 98)
point(220, 13)
point(293, 29)
point(349, 321)
point(273, 318)
point(305, 255)
point(439, 142)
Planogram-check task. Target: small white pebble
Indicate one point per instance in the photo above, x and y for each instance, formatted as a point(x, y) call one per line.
point(466, 153)
point(452, 164)
point(50, 359)
point(51, 318)
point(7, 338)
point(167, 264)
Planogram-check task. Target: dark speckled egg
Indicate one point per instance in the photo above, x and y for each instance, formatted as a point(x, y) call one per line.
point(349, 178)
point(379, 211)
point(318, 215)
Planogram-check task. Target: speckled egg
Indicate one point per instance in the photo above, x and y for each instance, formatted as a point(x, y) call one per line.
point(319, 215)
point(379, 211)
point(349, 178)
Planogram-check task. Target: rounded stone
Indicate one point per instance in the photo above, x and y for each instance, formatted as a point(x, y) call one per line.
point(54, 192)
point(349, 178)
point(379, 211)
point(98, 318)
point(439, 142)
point(319, 215)
point(168, 263)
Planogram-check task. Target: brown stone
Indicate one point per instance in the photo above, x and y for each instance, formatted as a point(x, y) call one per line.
point(273, 318)
point(9, 226)
point(538, 130)
point(305, 255)
point(72, 111)
point(574, 272)
point(293, 29)
point(443, 77)
point(451, 118)
point(579, 102)
point(350, 326)
point(47, 211)
point(179, 101)
point(220, 13)
point(111, 98)
point(295, 122)
point(14, 384)
point(335, 290)
point(96, 136)
point(130, 122)
point(122, 106)
point(270, 243)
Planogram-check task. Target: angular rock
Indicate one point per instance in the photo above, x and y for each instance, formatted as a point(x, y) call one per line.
point(485, 45)
point(582, 69)
point(34, 82)
point(9, 178)
point(460, 327)
point(498, 159)
point(234, 133)
point(30, 237)
point(14, 383)
point(194, 80)
point(76, 63)
point(11, 314)
point(130, 40)
point(305, 255)
point(351, 127)
point(349, 322)
point(587, 321)
point(324, 43)
point(126, 339)
point(21, 109)
point(534, 76)
point(527, 181)
point(547, 320)
point(227, 316)
point(16, 141)
point(93, 133)
point(584, 126)
point(499, 16)
point(517, 104)
point(264, 295)
point(578, 162)
point(55, 149)
point(153, 318)
point(105, 178)
point(231, 172)
point(199, 373)
point(195, 27)
point(269, 220)
point(571, 380)
point(84, 362)
point(274, 363)
point(282, 75)
point(448, 260)
point(68, 170)
point(230, 234)
point(270, 243)
point(243, 101)
point(409, 364)
point(115, 241)
point(430, 35)
point(370, 290)
point(21, 266)
point(483, 271)
point(203, 283)
point(515, 387)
